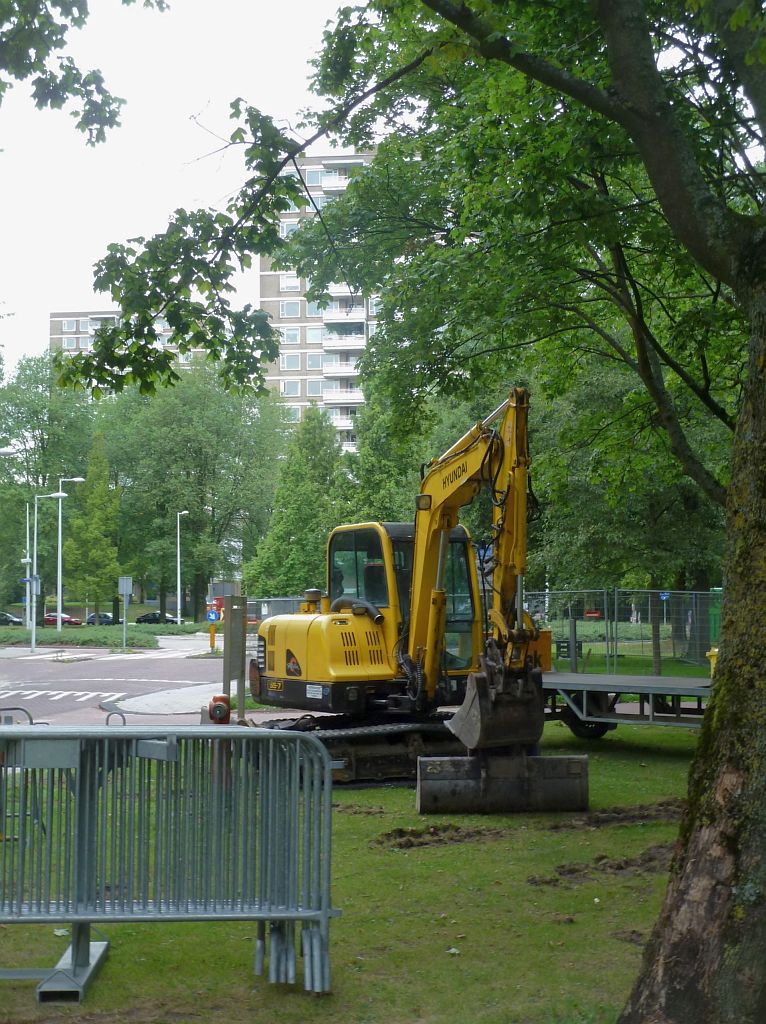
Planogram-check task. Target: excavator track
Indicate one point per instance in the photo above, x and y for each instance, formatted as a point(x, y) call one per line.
point(376, 751)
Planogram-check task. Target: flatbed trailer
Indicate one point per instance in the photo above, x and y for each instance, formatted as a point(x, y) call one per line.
point(591, 705)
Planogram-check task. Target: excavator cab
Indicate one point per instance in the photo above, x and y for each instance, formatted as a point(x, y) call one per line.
point(372, 565)
point(344, 652)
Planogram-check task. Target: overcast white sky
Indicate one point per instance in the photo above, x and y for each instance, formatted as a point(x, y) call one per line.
point(62, 202)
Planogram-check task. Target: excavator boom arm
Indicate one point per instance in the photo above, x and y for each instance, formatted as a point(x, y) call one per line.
point(484, 456)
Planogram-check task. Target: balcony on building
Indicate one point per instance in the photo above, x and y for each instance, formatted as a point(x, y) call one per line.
point(344, 312)
point(334, 181)
point(341, 396)
point(342, 421)
point(332, 342)
point(339, 367)
point(339, 288)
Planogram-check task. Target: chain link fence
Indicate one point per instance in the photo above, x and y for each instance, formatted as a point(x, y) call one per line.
point(616, 630)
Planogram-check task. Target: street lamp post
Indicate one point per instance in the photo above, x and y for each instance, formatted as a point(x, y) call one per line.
point(178, 563)
point(35, 580)
point(26, 561)
point(59, 588)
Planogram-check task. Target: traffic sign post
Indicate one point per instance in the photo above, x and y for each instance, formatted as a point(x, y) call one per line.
point(212, 618)
point(125, 588)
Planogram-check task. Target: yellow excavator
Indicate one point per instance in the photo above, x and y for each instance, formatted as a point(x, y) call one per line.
point(401, 630)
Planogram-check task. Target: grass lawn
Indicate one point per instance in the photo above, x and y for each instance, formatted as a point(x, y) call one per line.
point(502, 919)
point(594, 662)
point(143, 636)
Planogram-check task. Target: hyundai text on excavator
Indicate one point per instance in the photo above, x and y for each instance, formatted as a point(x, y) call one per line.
point(402, 632)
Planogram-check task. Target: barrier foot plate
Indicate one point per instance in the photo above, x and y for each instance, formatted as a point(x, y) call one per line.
point(65, 984)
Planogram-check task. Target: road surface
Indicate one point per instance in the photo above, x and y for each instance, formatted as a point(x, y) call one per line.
point(75, 686)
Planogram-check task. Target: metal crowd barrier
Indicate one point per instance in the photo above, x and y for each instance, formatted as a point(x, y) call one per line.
point(106, 824)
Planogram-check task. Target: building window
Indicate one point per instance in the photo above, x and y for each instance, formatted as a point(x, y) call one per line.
point(374, 305)
point(68, 325)
point(289, 283)
point(286, 228)
point(290, 361)
point(314, 361)
point(289, 308)
point(85, 325)
point(70, 342)
point(314, 388)
point(291, 335)
point(290, 388)
point(314, 335)
point(312, 309)
point(292, 413)
point(313, 175)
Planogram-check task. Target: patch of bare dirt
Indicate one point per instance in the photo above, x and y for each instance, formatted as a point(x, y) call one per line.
point(138, 1015)
point(439, 835)
point(631, 936)
point(436, 835)
point(663, 810)
point(651, 861)
point(356, 809)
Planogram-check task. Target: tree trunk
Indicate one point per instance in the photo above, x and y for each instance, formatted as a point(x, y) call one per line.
point(200, 596)
point(705, 959)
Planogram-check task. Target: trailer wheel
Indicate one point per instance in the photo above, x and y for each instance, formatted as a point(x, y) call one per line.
point(587, 730)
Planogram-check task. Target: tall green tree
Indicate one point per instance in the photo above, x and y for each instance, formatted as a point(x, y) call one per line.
point(48, 427)
point(200, 449)
point(90, 550)
point(384, 469)
point(49, 431)
point(476, 286)
point(614, 506)
point(310, 500)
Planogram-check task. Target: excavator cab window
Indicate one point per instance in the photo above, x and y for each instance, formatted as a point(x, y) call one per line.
point(460, 599)
point(403, 575)
point(357, 568)
point(458, 635)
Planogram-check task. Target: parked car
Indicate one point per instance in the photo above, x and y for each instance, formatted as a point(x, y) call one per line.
point(6, 619)
point(156, 619)
point(104, 619)
point(66, 620)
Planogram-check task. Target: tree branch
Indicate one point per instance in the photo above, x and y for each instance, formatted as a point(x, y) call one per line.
point(713, 234)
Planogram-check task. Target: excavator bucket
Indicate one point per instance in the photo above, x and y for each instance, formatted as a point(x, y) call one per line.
point(507, 716)
point(500, 721)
